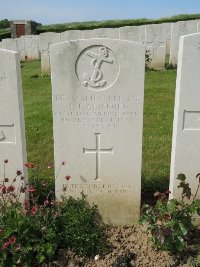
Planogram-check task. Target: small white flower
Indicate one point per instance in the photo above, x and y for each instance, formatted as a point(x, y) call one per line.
point(96, 258)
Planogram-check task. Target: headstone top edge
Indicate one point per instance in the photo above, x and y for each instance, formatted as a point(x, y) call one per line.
point(101, 40)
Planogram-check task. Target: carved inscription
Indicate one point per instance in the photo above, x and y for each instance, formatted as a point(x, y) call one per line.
point(98, 151)
point(3, 79)
point(101, 65)
point(99, 189)
point(97, 111)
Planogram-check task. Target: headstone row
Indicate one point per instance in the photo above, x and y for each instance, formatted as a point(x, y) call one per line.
point(161, 40)
point(27, 46)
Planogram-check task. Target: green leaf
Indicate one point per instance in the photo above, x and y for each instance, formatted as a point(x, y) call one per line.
point(180, 244)
point(182, 228)
point(171, 205)
point(198, 211)
point(181, 177)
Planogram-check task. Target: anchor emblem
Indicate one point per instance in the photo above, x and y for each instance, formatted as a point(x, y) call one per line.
point(98, 59)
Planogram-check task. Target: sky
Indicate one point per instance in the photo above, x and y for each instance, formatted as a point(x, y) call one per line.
point(60, 11)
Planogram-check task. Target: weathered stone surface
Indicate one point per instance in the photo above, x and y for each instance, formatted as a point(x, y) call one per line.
point(12, 132)
point(31, 43)
point(132, 33)
point(9, 44)
point(167, 28)
point(112, 33)
point(72, 35)
point(98, 89)
point(155, 41)
point(45, 40)
point(186, 127)
point(179, 29)
point(21, 47)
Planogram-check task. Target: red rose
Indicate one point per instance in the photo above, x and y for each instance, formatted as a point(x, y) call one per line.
point(34, 210)
point(30, 165)
point(12, 240)
point(5, 245)
point(31, 189)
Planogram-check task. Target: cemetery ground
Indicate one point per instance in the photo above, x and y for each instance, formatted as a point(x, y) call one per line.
point(130, 246)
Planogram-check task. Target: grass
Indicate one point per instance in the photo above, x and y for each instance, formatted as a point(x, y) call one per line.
point(38, 114)
point(158, 119)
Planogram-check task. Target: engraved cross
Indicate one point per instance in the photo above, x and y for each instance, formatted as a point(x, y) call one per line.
point(98, 151)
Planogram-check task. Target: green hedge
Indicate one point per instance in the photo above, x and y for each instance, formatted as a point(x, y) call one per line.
point(89, 25)
point(113, 23)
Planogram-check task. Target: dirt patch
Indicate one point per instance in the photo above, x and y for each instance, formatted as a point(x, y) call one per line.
point(130, 247)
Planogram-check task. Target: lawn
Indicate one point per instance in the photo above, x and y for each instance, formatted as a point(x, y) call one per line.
point(158, 120)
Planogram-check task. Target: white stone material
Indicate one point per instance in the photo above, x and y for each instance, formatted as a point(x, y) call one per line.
point(31, 43)
point(72, 35)
point(112, 33)
point(21, 47)
point(132, 33)
point(45, 40)
point(166, 28)
point(155, 40)
point(9, 44)
point(12, 132)
point(98, 88)
point(186, 128)
point(179, 29)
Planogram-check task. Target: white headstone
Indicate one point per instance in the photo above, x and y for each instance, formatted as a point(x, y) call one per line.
point(133, 33)
point(21, 47)
point(98, 89)
point(45, 40)
point(186, 128)
point(31, 47)
point(156, 46)
point(166, 29)
point(9, 44)
point(12, 132)
point(112, 33)
point(179, 29)
point(72, 35)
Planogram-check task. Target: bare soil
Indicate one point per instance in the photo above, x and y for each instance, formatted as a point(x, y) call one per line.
point(130, 247)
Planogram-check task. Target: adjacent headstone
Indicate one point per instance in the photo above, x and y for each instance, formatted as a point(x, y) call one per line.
point(72, 35)
point(21, 47)
point(9, 44)
point(166, 29)
point(186, 128)
point(12, 132)
point(179, 29)
point(155, 46)
point(45, 40)
point(102, 33)
point(98, 87)
point(31, 43)
point(132, 33)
